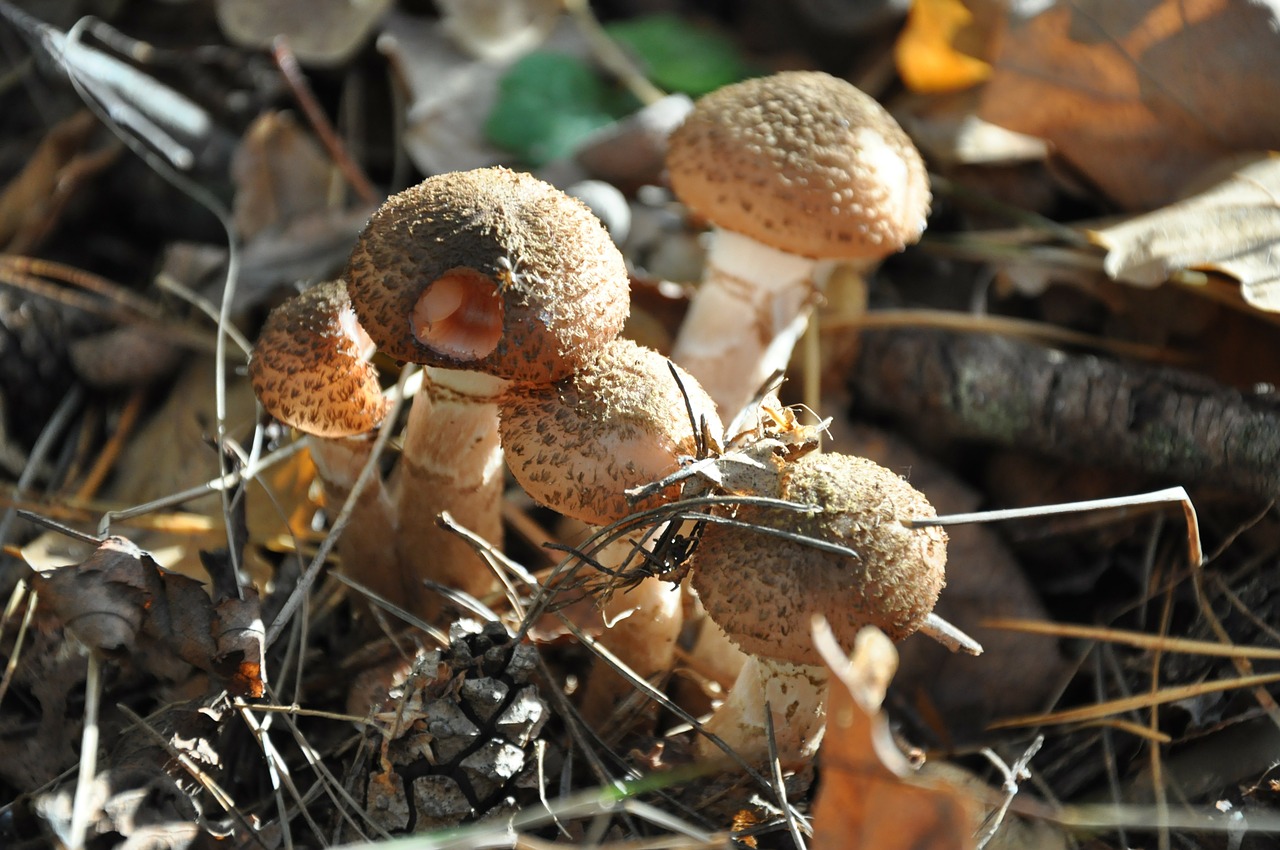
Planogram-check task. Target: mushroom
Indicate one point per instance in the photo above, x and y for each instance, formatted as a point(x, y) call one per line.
point(621, 422)
point(791, 169)
point(577, 446)
point(310, 369)
point(483, 276)
point(490, 271)
point(763, 590)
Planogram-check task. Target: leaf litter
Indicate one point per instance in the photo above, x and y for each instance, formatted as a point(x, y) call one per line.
point(174, 647)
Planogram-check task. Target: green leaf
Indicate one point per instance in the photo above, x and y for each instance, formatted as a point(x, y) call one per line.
point(680, 56)
point(547, 104)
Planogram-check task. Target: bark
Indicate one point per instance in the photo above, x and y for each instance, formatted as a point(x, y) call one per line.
point(1082, 408)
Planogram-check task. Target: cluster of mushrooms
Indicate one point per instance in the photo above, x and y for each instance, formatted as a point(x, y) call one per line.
point(513, 296)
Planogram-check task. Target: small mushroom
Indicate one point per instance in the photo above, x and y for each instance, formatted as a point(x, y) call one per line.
point(620, 422)
point(763, 589)
point(310, 366)
point(791, 169)
point(310, 369)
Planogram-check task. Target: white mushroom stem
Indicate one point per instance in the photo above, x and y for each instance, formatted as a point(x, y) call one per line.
point(752, 308)
point(796, 696)
point(452, 461)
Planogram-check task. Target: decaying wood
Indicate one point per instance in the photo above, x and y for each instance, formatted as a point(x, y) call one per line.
point(1079, 407)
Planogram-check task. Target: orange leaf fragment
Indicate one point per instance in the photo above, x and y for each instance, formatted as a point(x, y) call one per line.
point(926, 53)
point(866, 799)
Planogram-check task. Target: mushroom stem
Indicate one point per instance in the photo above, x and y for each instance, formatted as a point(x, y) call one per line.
point(752, 307)
point(795, 695)
point(366, 557)
point(641, 626)
point(452, 461)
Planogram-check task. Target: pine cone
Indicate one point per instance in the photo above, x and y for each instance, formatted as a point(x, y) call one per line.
point(462, 728)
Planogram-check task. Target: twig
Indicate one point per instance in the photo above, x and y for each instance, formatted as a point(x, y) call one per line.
point(1010, 786)
point(287, 62)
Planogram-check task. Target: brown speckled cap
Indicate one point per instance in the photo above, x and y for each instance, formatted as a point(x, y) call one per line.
point(763, 590)
point(803, 162)
point(577, 445)
point(310, 366)
point(492, 271)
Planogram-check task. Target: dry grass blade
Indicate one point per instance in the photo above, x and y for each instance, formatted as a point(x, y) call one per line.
point(1137, 640)
point(989, 324)
point(1195, 549)
point(1147, 700)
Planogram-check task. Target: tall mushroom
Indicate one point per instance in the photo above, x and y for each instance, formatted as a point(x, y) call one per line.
point(791, 169)
point(483, 276)
point(763, 589)
point(622, 421)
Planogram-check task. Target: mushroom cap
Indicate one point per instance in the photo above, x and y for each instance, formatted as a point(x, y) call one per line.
point(491, 271)
point(803, 162)
point(577, 445)
point(763, 590)
point(310, 366)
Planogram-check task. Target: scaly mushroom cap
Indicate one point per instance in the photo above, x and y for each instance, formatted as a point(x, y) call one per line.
point(577, 445)
point(803, 162)
point(491, 271)
point(310, 367)
point(763, 590)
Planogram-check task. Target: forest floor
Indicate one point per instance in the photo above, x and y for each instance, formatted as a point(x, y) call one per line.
point(1090, 315)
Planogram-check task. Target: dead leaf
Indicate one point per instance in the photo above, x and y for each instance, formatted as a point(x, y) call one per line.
point(280, 173)
point(32, 200)
point(172, 452)
point(927, 54)
point(121, 604)
point(1232, 227)
point(1139, 95)
point(451, 93)
point(321, 32)
point(867, 799)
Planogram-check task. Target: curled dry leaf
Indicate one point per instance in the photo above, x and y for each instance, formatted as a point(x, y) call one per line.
point(866, 799)
point(31, 202)
point(1138, 95)
point(1232, 227)
point(121, 604)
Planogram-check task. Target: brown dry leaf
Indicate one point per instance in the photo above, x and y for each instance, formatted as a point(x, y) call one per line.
point(121, 604)
point(35, 196)
point(1231, 227)
point(321, 32)
point(866, 799)
point(927, 54)
point(172, 452)
point(1139, 95)
point(280, 173)
point(289, 207)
